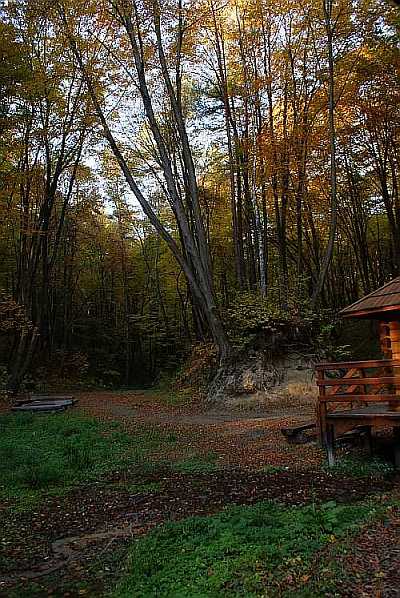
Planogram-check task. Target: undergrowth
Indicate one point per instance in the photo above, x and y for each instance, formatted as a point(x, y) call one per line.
point(243, 551)
point(51, 454)
point(167, 393)
point(361, 468)
point(194, 464)
point(54, 452)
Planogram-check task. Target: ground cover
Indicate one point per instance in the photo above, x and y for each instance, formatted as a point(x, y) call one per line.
point(132, 463)
point(363, 564)
point(262, 550)
point(56, 452)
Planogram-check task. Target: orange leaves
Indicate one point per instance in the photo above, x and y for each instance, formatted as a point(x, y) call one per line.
point(12, 315)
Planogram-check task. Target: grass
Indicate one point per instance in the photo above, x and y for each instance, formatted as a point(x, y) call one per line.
point(194, 464)
point(49, 455)
point(243, 551)
point(273, 469)
point(56, 452)
point(327, 574)
point(262, 550)
point(361, 468)
point(332, 568)
point(146, 488)
point(169, 396)
point(167, 392)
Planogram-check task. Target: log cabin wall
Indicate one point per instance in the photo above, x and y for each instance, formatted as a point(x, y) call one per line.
point(389, 334)
point(385, 342)
point(383, 305)
point(394, 328)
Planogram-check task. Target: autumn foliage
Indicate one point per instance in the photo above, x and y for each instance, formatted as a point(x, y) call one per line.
point(166, 167)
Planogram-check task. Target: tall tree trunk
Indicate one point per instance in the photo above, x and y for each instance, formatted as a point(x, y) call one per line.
point(329, 28)
point(198, 271)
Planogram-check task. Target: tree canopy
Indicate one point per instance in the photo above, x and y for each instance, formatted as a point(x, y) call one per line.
point(183, 171)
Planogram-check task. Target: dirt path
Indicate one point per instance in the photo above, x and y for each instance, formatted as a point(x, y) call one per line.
point(238, 439)
point(139, 404)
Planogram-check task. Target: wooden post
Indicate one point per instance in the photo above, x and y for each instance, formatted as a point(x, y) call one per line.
point(321, 409)
point(369, 440)
point(394, 328)
point(330, 445)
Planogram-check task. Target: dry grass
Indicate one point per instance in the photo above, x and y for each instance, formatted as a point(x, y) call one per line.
point(294, 396)
point(254, 402)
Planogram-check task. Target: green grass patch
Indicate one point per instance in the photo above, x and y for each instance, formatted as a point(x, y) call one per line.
point(361, 467)
point(136, 488)
point(274, 469)
point(53, 453)
point(243, 551)
point(168, 394)
point(194, 464)
point(329, 573)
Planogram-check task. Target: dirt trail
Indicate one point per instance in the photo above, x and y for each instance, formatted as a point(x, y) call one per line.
point(147, 406)
point(237, 439)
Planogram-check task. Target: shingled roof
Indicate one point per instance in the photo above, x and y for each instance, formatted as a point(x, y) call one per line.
point(379, 304)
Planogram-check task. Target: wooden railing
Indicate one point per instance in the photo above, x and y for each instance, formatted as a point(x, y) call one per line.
point(343, 385)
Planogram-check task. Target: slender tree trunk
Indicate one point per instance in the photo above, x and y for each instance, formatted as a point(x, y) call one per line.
point(328, 7)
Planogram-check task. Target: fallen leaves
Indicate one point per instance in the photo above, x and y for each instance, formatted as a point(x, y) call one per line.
point(243, 445)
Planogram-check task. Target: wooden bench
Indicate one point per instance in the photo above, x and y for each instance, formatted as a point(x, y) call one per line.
point(294, 434)
point(371, 417)
point(44, 403)
point(354, 394)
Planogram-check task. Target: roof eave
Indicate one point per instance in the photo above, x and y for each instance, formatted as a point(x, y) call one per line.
point(373, 313)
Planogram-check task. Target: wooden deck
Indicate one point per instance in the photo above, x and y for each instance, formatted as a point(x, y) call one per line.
point(358, 393)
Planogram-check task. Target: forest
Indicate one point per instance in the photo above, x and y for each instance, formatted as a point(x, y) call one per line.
point(199, 298)
point(180, 179)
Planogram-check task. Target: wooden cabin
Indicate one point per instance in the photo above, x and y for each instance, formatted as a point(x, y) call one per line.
point(364, 394)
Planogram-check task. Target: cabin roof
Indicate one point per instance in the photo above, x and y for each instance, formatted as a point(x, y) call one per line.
point(380, 303)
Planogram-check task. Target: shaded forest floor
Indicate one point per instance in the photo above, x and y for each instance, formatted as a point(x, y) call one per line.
point(73, 540)
point(235, 438)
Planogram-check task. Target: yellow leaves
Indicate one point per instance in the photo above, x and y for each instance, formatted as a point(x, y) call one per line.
point(332, 539)
point(292, 561)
